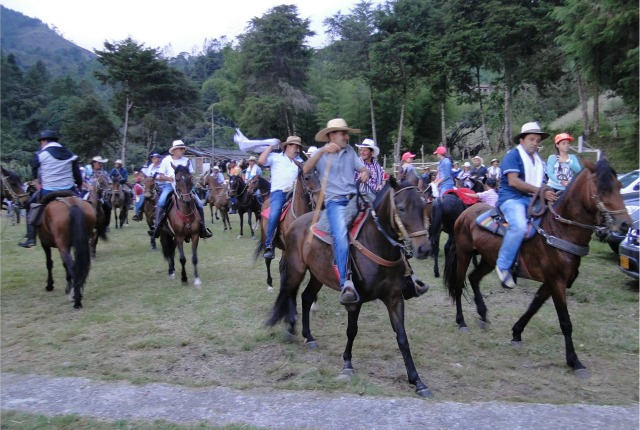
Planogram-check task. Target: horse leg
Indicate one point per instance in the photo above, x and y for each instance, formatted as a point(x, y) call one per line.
point(183, 262)
point(69, 267)
point(435, 250)
point(47, 253)
point(308, 297)
point(352, 332)
point(250, 223)
point(461, 271)
point(241, 224)
point(267, 263)
point(395, 307)
point(284, 307)
point(194, 260)
point(558, 294)
point(169, 252)
point(541, 296)
point(482, 270)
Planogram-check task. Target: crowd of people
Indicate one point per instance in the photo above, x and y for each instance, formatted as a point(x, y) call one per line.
point(508, 184)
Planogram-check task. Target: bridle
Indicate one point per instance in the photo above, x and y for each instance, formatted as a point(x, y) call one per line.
point(14, 196)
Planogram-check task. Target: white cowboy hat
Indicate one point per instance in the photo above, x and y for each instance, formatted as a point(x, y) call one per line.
point(177, 144)
point(311, 150)
point(99, 159)
point(337, 124)
point(530, 128)
point(216, 168)
point(252, 158)
point(369, 143)
point(118, 162)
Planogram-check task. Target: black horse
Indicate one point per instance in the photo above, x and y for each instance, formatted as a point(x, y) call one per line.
point(247, 202)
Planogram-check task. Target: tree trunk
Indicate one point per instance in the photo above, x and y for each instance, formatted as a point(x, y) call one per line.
point(443, 125)
point(123, 149)
point(396, 147)
point(373, 116)
point(584, 104)
point(507, 110)
point(596, 108)
point(483, 125)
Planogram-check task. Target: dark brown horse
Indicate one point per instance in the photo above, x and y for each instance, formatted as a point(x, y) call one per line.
point(68, 222)
point(304, 196)
point(592, 202)
point(379, 266)
point(96, 198)
point(247, 202)
point(11, 189)
point(183, 225)
point(218, 198)
point(150, 202)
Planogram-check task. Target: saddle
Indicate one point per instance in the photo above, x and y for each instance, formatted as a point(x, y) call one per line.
point(493, 220)
point(37, 209)
point(287, 205)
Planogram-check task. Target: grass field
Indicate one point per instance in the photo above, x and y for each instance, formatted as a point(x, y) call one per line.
point(139, 326)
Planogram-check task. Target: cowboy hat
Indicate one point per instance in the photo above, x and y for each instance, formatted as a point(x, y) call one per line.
point(478, 158)
point(292, 140)
point(466, 164)
point(252, 158)
point(99, 159)
point(216, 168)
point(118, 162)
point(49, 135)
point(177, 144)
point(311, 150)
point(369, 143)
point(155, 155)
point(562, 136)
point(530, 128)
point(337, 124)
point(408, 155)
point(494, 160)
point(440, 150)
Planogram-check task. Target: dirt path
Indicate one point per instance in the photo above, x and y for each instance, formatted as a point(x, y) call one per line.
point(292, 409)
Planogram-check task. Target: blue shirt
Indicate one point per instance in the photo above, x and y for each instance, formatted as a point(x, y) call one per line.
point(340, 178)
point(567, 170)
point(511, 163)
point(444, 172)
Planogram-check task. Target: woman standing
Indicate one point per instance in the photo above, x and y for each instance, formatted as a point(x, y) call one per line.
point(562, 166)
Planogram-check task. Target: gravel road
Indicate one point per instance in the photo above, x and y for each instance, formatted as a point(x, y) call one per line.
point(292, 409)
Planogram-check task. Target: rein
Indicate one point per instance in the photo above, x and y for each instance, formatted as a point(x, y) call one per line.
point(7, 186)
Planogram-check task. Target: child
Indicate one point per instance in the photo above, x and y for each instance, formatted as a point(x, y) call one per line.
point(490, 195)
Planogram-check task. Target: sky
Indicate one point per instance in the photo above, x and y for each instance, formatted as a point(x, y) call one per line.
point(183, 24)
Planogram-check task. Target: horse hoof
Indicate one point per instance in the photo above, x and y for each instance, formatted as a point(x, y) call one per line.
point(484, 325)
point(172, 276)
point(288, 336)
point(424, 392)
point(197, 282)
point(49, 288)
point(270, 288)
point(583, 373)
point(239, 236)
point(517, 344)
point(312, 345)
point(464, 329)
point(314, 307)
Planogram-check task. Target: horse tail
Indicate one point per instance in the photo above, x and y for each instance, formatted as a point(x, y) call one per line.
point(258, 251)
point(80, 241)
point(281, 306)
point(450, 271)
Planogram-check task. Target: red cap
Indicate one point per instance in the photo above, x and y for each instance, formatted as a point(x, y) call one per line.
point(441, 150)
point(408, 155)
point(563, 136)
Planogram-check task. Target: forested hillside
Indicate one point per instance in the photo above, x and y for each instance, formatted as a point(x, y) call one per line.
point(412, 74)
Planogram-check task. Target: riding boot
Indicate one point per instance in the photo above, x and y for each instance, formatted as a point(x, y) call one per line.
point(205, 233)
point(30, 239)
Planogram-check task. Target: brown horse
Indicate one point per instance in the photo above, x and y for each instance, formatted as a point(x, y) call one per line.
point(304, 197)
point(11, 189)
point(68, 222)
point(119, 203)
point(380, 268)
point(552, 256)
point(96, 198)
point(183, 225)
point(218, 198)
point(150, 202)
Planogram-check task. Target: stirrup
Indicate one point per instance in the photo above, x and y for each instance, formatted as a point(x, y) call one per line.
point(348, 294)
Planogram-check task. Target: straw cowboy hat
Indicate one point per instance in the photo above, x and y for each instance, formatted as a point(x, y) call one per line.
point(292, 140)
point(530, 128)
point(177, 144)
point(478, 158)
point(252, 158)
point(337, 124)
point(369, 143)
point(99, 159)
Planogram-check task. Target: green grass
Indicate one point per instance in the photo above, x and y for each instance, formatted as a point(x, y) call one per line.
point(139, 326)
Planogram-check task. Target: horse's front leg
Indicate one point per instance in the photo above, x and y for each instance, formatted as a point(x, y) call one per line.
point(183, 261)
point(541, 296)
point(47, 253)
point(435, 250)
point(560, 302)
point(241, 224)
point(267, 262)
point(253, 236)
point(194, 260)
point(309, 295)
point(352, 332)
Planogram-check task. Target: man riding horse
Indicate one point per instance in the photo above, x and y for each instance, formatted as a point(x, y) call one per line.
point(57, 169)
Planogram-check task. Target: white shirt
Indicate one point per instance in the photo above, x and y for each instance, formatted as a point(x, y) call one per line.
point(167, 170)
point(283, 171)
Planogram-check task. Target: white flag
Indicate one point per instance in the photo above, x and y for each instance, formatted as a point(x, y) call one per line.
point(248, 145)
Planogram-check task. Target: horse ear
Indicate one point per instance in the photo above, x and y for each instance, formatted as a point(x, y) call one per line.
point(393, 182)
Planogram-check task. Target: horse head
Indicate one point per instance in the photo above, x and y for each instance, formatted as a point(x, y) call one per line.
point(400, 208)
point(310, 185)
point(149, 185)
point(183, 183)
point(12, 188)
point(236, 185)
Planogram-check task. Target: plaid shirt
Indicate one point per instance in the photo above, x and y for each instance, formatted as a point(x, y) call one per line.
point(375, 177)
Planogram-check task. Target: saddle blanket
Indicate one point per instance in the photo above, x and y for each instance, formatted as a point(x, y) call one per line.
point(490, 220)
point(287, 205)
point(463, 195)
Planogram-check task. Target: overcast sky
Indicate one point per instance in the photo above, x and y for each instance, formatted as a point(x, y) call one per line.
point(184, 24)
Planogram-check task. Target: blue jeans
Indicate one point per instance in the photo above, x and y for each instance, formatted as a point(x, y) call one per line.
point(338, 226)
point(277, 200)
point(445, 186)
point(515, 213)
point(164, 195)
point(140, 203)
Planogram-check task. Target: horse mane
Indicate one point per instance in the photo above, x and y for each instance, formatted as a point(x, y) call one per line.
point(11, 175)
point(605, 175)
point(182, 169)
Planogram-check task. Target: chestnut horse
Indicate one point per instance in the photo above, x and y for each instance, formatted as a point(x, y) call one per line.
point(592, 202)
point(119, 202)
point(183, 225)
point(304, 196)
point(68, 222)
point(247, 202)
point(379, 267)
point(96, 198)
point(218, 198)
point(150, 202)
